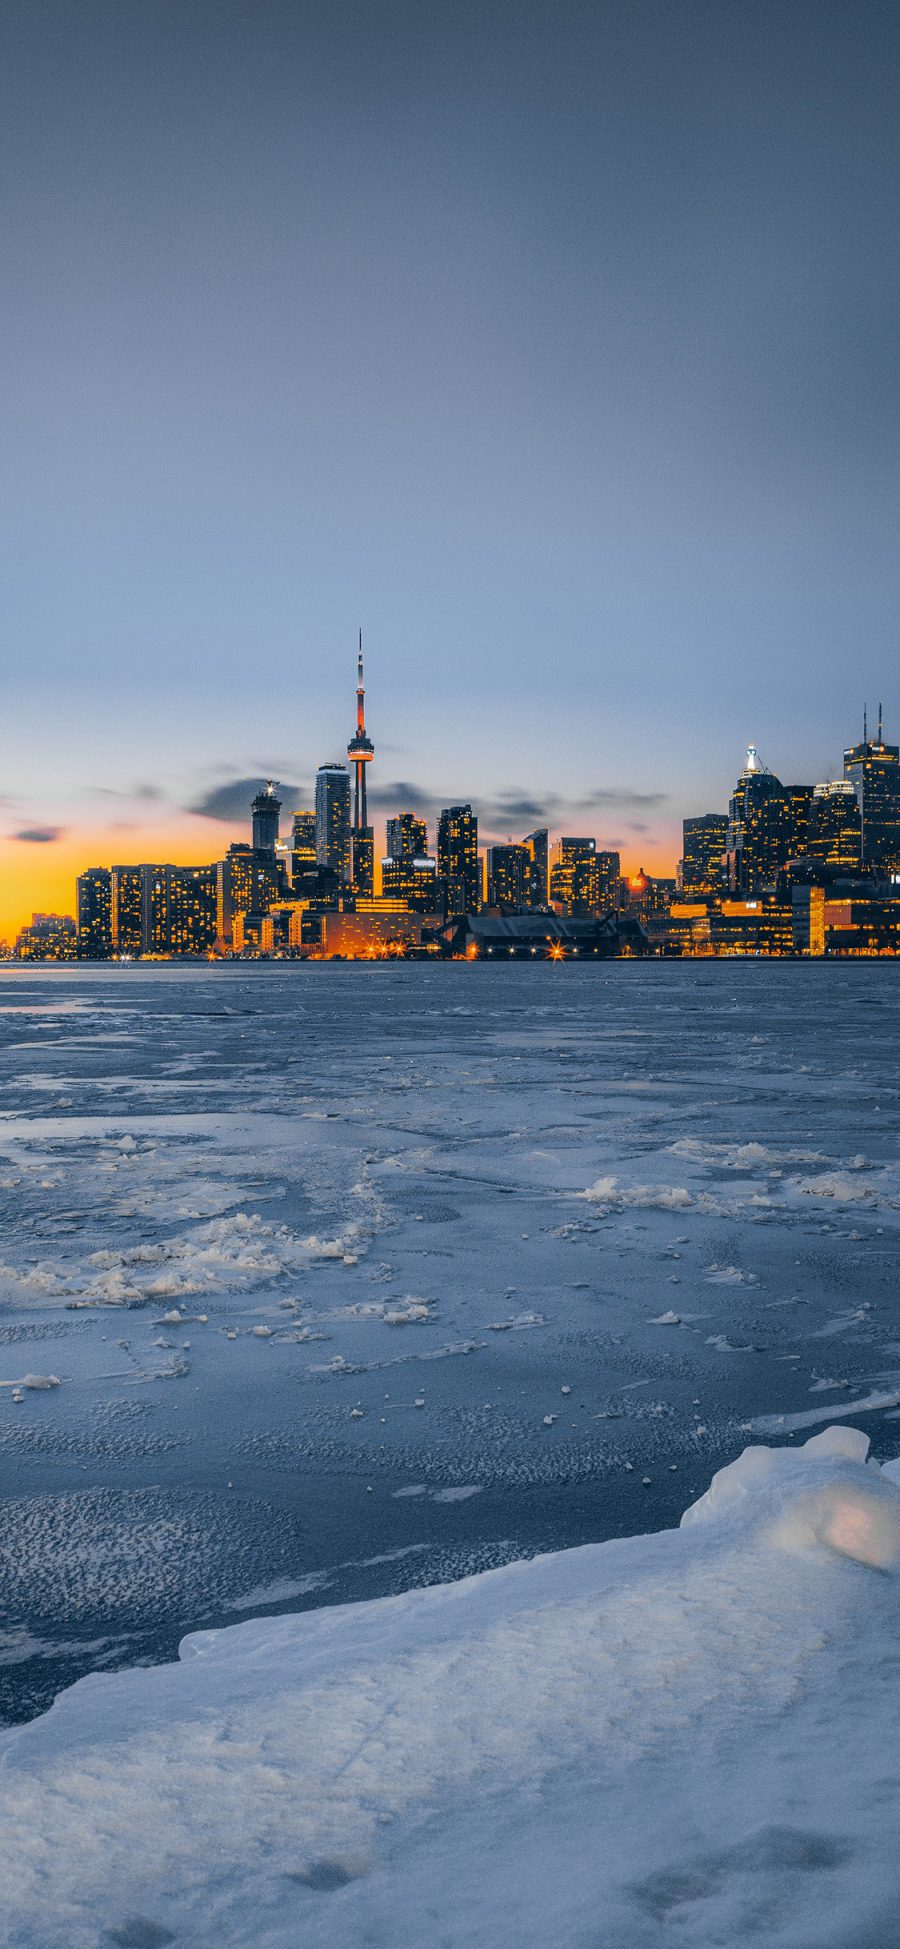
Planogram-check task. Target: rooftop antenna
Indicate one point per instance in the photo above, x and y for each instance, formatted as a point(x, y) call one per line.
point(879, 720)
point(865, 723)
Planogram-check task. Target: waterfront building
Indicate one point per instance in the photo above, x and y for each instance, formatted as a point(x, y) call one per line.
point(458, 864)
point(333, 820)
point(704, 840)
point(798, 799)
point(192, 908)
point(873, 769)
point(127, 910)
point(247, 881)
point(509, 878)
point(93, 909)
point(50, 937)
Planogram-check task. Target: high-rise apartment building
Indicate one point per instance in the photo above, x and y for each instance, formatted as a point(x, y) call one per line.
point(93, 893)
point(407, 836)
point(459, 866)
point(127, 910)
point(333, 823)
point(873, 769)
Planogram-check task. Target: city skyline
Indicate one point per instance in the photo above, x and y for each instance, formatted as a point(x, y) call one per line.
point(768, 823)
point(555, 344)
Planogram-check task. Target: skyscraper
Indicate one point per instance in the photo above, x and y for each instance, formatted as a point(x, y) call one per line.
point(457, 858)
point(94, 913)
point(703, 853)
point(266, 808)
point(835, 827)
point(407, 836)
point(538, 844)
point(873, 768)
point(333, 826)
point(758, 828)
point(127, 909)
point(582, 881)
point(508, 877)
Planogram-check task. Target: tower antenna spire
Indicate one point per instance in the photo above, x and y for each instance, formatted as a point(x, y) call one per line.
point(879, 720)
point(865, 723)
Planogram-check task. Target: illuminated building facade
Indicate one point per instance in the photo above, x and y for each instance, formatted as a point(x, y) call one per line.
point(363, 848)
point(333, 822)
point(412, 881)
point(509, 878)
point(873, 769)
point(459, 866)
point(798, 799)
point(50, 937)
point(247, 881)
point(407, 836)
point(265, 812)
point(192, 909)
point(538, 844)
point(127, 910)
point(758, 829)
point(704, 840)
point(583, 881)
point(835, 826)
point(93, 908)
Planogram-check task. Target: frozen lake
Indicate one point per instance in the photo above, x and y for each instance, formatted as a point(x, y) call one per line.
point(360, 1277)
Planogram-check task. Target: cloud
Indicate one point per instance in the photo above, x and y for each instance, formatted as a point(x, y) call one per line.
point(39, 835)
point(400, 795)
point(621, 795)
point(231, 802)
point(141, 791)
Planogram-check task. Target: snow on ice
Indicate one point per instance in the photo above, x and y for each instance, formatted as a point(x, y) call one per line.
point(691, 1736)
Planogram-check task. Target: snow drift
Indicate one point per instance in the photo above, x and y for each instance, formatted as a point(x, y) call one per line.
point(687, 1737)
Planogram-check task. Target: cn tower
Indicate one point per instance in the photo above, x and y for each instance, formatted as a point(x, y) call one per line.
point(360, 750)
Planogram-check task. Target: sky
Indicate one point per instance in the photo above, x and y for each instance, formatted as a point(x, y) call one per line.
point(555, 345)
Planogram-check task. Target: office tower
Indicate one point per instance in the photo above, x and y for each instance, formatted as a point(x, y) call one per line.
point(303, 837)
point(93, 892)
point(127, 910)
point(247, 881)
point(798, 799)
point(508, 878)
point(266, 808)
point(757, 844)
point(459, 866)
point(835, 826)
point(363, 874)
point(412, 882)
point(582, 881)
point(538, 844)
point(407, 836)
point(873, 768)
point(703, 851)
point(333, 825)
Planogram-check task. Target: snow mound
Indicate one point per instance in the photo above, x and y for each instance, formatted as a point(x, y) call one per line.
point(693, 1735)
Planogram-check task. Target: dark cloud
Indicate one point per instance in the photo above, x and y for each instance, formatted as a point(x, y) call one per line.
point(400, 795)
point(39, 835)
point(232, 801)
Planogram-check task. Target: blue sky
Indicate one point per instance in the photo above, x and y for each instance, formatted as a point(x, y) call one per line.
point(554, 344)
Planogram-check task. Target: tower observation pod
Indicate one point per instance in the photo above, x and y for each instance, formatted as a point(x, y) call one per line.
point(360, 750)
